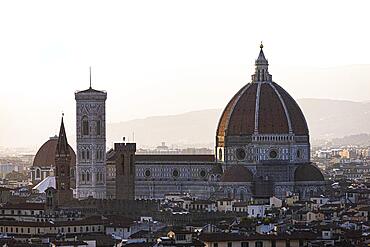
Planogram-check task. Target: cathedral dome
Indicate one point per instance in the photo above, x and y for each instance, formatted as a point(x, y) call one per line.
point(238, 174)
point(261, 107)
point(45, 156)
point(308, 172)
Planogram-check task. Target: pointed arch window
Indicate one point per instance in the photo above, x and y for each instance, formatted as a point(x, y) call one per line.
point(98, 127)
point(242, 197)
point(85, 126)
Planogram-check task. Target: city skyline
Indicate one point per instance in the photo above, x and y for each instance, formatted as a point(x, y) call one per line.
point(152, 68)
point(192, 123)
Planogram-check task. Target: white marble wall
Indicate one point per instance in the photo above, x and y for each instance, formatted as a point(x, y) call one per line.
point(91, 165)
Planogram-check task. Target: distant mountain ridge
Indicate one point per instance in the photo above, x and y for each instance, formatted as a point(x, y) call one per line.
point(327, 119)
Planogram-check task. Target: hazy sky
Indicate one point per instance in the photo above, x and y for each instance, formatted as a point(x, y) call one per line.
point(164, 57)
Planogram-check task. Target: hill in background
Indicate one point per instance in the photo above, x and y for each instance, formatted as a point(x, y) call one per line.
point(327, 120)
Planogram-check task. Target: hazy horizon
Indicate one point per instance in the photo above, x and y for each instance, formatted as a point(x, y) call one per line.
point(181, 57)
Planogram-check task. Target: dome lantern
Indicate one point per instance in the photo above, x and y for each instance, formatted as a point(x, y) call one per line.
point(261, 73)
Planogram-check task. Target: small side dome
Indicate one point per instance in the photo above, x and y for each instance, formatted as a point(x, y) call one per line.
point(308, 172)
point(238, 174)
point(45, 156)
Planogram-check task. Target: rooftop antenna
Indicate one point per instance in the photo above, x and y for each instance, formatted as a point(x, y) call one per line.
point(90, 77)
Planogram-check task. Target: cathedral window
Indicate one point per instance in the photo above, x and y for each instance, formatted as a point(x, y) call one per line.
point(83, 154)
point(87, 154)
point(299, 154)
point(147, 173)
point(220, 154)
point(83, 176)
point(242, 196)
point(229, 195)
point(87, 176)
point(240, 154)
point(203, 173)
point(175, 173)
point(85, 126)
point(38, 173)
point(98, 127)
point(273, 154)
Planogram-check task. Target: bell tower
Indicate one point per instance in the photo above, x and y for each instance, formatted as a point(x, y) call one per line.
point(90, 140)
point(62, 163)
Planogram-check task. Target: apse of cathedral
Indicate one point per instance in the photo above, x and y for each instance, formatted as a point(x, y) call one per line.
point(262, 150)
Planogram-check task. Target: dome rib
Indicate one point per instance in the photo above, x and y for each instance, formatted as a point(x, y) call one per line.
point(257, 108)
point(284, 106)
point(241, 120)
point(298, 121)
point(225, 116)
point(272, 119)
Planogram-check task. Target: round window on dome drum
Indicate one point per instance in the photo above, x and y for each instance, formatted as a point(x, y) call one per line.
point(175, 173)
point(273, 154)
point(240, 154)
point(147, 173)
point(203, 173)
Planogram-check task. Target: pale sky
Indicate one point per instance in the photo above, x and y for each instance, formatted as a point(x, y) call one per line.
point(165, 57)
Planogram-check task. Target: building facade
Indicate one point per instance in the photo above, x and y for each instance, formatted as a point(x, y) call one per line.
point(262, 150)
point(90, 138)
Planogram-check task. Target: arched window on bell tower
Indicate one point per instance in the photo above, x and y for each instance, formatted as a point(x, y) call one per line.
point(85, 126)
point(98, 127)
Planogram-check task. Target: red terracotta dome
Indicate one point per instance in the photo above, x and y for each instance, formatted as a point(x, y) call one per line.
point(261, 107)
point(45, 156)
